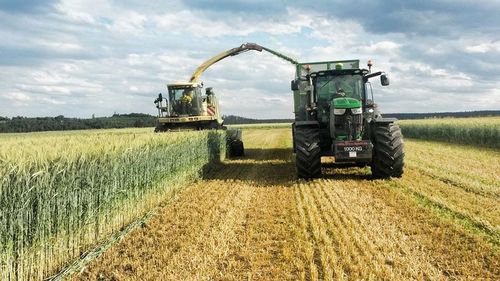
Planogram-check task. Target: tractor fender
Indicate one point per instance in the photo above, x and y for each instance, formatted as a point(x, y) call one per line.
point(378, 121)
point(385, 120)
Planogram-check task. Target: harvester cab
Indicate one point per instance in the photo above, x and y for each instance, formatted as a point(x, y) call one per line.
point(335, 115)
point(187, 107)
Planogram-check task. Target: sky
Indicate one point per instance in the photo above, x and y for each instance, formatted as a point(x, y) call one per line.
point(78, 58)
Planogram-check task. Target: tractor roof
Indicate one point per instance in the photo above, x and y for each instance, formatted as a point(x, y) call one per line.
point(325, 65)
point(338, 72)
point(183, 85)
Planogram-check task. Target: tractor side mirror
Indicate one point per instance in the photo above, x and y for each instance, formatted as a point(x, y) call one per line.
point(159, 99)
point(294, 85)
point(384, 80)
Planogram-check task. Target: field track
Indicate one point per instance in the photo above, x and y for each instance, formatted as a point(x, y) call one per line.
point(252, 219)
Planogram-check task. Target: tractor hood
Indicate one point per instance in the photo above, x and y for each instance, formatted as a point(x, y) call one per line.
point(345, 103)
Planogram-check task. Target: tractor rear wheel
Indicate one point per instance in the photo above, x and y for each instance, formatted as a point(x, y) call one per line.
point(388, 151)
point(308, 152)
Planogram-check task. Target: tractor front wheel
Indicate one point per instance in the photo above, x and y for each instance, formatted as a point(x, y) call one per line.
point(308, 152)
point(388, 151)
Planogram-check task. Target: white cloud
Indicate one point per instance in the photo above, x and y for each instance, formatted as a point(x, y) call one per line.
point(484, 48)
point(52, 101)
point(255, 103)
point(128, 22)
point(80, 11)
point(381, 47)
point(200, 25)
point(60, 46)
point(336, 31)
point(90, 56)
point(18, 97)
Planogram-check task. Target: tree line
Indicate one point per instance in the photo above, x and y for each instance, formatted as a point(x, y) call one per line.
point(59, 123)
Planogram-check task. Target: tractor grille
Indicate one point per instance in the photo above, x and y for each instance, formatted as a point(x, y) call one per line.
point(341, 120)
point(342, 124)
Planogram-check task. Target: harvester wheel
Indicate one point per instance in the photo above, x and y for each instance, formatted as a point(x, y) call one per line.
point(308, 152)
point(388, 151)
point(236, 148)
point(160, 129)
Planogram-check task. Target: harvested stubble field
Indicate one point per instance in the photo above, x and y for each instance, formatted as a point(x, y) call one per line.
point(252, 219)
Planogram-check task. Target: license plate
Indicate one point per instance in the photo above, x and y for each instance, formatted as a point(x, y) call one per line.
point(353, 148)
point(349, 151)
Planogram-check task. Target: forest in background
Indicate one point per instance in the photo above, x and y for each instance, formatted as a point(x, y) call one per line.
point(21, 124)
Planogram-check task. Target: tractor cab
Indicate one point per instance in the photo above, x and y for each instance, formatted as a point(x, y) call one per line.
point(340, 95)
point(184, 99)
point(186, 106)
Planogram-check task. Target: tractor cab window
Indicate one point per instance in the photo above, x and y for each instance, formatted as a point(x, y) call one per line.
point(330, 87)
point(184, 101)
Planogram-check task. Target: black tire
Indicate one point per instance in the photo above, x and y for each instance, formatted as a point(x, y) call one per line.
point(307, 152)
point(214, 125)
point(161, 129)
point(388, 151)
point(236, 148)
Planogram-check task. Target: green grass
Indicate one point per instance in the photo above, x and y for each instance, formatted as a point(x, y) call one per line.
point(481, 131)
point(61, 193)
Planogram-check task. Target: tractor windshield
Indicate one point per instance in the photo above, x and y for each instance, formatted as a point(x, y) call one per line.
point(176, 94)
point(184, 101)
point(329, 87)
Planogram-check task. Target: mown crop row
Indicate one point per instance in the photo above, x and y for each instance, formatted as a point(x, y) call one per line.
point(62, 193)
point(470, 131)
point(254, 220)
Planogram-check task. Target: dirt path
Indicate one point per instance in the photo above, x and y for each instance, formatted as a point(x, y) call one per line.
point(251, 219)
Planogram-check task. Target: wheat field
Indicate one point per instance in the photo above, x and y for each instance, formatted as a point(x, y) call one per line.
point(63, 193)
point(251, 219)
point(477, 131)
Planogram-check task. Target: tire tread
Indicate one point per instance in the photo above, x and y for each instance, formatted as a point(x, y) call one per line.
point(388, 151)
point(308, 152)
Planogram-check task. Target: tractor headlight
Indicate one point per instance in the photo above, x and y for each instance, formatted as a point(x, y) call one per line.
point(356, 110)
point(338, 111)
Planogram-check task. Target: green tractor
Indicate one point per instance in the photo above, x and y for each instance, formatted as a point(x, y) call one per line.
point(335, 115)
